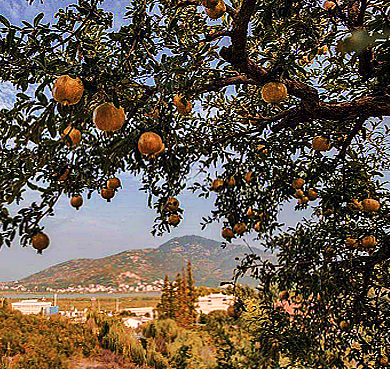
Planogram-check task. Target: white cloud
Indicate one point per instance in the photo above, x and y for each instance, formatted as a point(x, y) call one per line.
point(7, 95)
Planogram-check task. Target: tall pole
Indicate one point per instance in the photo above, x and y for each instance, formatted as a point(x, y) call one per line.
point(55, 299)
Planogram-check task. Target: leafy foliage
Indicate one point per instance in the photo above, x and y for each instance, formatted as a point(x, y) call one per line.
point(170, 47)
point(33, 342)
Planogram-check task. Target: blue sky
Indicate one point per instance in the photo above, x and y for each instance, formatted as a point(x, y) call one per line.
point(98, 228)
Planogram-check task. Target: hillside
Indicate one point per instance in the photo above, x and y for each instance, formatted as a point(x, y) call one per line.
point(211, 265)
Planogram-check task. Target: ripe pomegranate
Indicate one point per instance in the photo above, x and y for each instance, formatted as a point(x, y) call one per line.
point(298, 183)
point(68, 90)
point(344, 325)
point(149, 143)
point(240, 228)
point(217, 185)
point(257, 227)
point(107, 193)
point(108, 118)
point(172, 204)
point(40, 241)
point(72, 134)
point(183, 108)
point(320, 144)
point(274, 92)
point(369, 242)
point(312, 195)
point(114, 183)
point(284, 295)
point(174, 220)
point(248, 177)
point(76, 202)
point(329, 5)
point(303, 200)
point(230, 183)
point(298, 194)
point(218, 11)
point(370, 205)
point(227, 234)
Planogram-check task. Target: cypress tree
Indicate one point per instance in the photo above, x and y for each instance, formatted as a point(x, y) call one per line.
point(164, 306)
point(181, 314)
point(171, 303)
point(179, 298)
point(192, 296)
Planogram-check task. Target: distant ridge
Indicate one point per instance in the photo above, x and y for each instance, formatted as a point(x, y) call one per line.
point(210, 263)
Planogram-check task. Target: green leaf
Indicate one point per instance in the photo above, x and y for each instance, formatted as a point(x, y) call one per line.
point(50, 123)
point(37, 19)
point(22, 96)
point(32, 186)
point(42, 98)
point(5, 21)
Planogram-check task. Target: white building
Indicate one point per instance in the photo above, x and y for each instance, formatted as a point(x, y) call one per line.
point(142, 311)
point(135, 322)
point(215, 301)
point(31, 306)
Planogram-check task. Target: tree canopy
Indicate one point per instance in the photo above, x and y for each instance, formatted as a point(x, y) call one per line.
point(198, 83)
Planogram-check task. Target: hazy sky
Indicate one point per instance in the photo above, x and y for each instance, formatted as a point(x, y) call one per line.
point(98, 228)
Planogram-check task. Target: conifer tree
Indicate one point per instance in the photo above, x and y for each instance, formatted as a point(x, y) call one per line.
point(164, 306)
point(179, 298)
point(171, 301)
point(192, 295)
point(181, 312)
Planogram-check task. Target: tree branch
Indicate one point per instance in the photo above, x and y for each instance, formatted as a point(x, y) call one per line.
point(218, 84)
point(363, 7)
point(358, 126)
point(240, 30)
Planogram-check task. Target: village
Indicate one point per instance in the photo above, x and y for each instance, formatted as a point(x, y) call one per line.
point(154, 286)
point(132, 317)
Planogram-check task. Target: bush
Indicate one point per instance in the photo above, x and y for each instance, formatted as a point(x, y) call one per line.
point(36, 342)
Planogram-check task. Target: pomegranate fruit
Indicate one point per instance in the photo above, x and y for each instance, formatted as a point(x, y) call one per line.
point(68, 90)
point(40, 242)
point(150, 143)
point(108, 118)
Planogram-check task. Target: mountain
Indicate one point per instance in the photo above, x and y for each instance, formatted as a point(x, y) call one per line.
point(211, 264)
